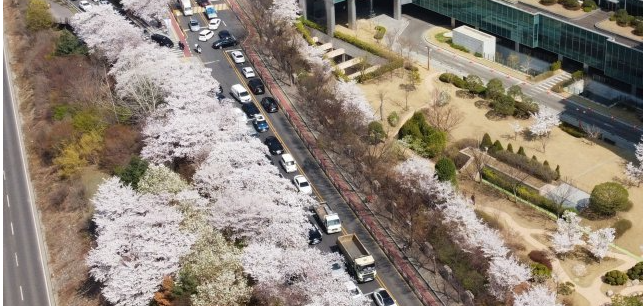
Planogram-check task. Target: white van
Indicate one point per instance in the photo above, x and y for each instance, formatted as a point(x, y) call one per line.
point(240, 93)
point(288, 163)
point(186, 6)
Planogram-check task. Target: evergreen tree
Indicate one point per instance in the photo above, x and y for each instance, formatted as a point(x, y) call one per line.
point(486, 141)
point(521, 151)
point(533, 157)
point(557, 172)
point(497, 146)
point(510, 148)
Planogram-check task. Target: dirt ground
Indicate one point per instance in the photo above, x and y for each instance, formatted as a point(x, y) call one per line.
point(611, 26)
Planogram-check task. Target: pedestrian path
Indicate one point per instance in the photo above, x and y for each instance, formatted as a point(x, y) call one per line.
point(546, 85)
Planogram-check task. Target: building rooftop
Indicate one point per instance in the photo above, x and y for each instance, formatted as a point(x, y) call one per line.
point(587, 22)
point(474, 33)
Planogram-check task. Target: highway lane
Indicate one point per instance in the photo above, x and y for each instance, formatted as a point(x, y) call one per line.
point(228, 73)
point(24, 278)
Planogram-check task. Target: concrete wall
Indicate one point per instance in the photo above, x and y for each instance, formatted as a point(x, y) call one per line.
point(475, 41)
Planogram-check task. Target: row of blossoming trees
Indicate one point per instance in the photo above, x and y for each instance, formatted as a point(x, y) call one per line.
point(231, 232)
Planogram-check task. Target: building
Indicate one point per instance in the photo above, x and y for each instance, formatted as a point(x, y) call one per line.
point(610, 58)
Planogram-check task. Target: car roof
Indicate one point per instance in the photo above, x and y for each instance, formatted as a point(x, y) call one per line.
point(206, 31)
point(255, 81)
point(299, 178)
point(259, 117)
point(238, 87)
point(236, 53)
point(246, 68)
point(287, 157)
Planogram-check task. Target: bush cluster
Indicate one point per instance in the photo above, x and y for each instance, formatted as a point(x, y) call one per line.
point(545, 75)
point(381, 70)
point(299, 25)
point(421, 137)
point(636, 272)
point(571, 4)
point(547, 2)
point(621, 226)
point(524, 192)
point(531, 166)
point(608, 198)
point(555, 65)
point(539, 271)
point(459, 47)
point(314, 25)
point(572, 130)
point(589, 5)
point(453, 79)
point(393, 118)
point(446, 171)
point(540, 257)
point(615, 278)
point(379, 32)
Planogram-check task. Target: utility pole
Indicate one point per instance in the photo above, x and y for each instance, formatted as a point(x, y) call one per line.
point(428, 58)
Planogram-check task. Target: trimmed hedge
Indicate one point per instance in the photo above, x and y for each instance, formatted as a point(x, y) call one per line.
point(572, 130)
point(453, 79)
point(390, 66)
point(299, 25)
point(525, 164)
point(366, 46)
point(313, 25)
point(522, 191)
point(545, 75)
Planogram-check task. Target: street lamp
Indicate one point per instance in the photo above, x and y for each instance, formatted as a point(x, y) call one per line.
point(428, 58)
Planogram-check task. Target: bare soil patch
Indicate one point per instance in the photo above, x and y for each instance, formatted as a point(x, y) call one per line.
point(611, 26)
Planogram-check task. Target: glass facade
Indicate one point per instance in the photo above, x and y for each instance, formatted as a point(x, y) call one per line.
point(539, 31)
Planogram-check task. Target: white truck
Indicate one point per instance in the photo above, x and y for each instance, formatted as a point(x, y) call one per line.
point(211, 12)
point(359, 261)
point(328, 218)
point(186, 6)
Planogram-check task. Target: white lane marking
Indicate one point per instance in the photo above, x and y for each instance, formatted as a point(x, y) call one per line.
point(8, 205)
point(16, 255)
point(210, 62)
point(11, 223)
point(4, 175)
point(223, 23)
point(22, 297)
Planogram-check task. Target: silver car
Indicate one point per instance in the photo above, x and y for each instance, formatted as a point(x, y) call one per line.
point(194, 25)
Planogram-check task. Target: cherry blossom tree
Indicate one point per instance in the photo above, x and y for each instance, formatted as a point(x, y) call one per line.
point(102, 28)
point(598, 241)
point(148, 10)
point(517, 128)
point(139, 242)
point(635, 173)
point(284, 10)
point(504, 274)
point(352, 98)
point(537, 295)
point(569, 233)
point(545, 119)
point(159, 179)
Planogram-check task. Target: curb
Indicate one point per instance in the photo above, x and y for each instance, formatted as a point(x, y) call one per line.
point(418, 287)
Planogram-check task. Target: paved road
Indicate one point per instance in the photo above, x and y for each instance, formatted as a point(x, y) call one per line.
point(449, 60)
point(228, 73)
point(24, 280)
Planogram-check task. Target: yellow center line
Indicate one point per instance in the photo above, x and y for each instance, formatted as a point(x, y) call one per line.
point(274, 131)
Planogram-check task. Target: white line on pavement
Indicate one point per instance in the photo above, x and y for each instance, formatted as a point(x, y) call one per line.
point(210, 62)
point(223, 23)
point(8, 205)
point(16, 255)
point(11, 223)
point(22, 297)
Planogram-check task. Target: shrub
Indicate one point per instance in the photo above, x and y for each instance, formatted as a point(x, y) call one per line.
point(380, 31)
point(639, 29)
point(313, 25)
point(393, 118)
point(453, 79)
point(76, 155)
point(531, 166)
point(636, 272)
point(59, 112)
point(390, 66)
point(38, 16)
point(503, 104)
point(547, 2)
point(572, 130)
point(68, 44)
point(571, 4)
point(619, 300)
point(86, 121)
point(534, 158)
point(376, 133)
point(555, 65)
point(521, 151)
point(478, 54)
point(446, 171)
point(524, 109)
point(615, 278)
point(540, 257)
point(366, 46)
point(540, 272)
point(545, 75)
point(557, 172)
point(510, 148)
point(486, 142)
point(565, 288)
point(299, 25)
point(577, 75)
point(421, 137)
point(621, 226)
point(494, 89)
point(459, 47)
point(121, 144)
point(497, 146)
point(524, 192)
point(607, 198)
point(622, 17)
point(131, 174)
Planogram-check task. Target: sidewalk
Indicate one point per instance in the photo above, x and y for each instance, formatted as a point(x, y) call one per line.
point(397, 258)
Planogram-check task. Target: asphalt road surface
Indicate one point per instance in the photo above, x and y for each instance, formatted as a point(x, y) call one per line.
point(24, 280)
point(229, 73)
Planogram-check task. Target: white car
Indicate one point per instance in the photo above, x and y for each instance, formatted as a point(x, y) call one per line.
point(103, 2)
point(302, 185)
point(353, 290)
point(288, 163)
point(205, 35)
point(238, 57)
point(84, 5)
point(214, 24)
point(248, 72)
point(383, 298)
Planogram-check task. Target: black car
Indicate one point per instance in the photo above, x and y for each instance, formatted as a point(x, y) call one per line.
point(224, 43)
point(256, 86)
point(225, 34)
point(270, 104)
point(162, 40)
point(203, 3)
point(250, 109)
point(314, 234)
point(274, 146)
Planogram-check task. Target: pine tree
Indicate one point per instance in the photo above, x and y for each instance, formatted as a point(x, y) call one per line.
point(486, 141)
point(521, 151)
point(546, 164)
point(557, 172)
point(534, 158)
point(510, 148)
point(497, 146)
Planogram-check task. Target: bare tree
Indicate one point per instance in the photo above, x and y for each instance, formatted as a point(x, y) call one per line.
point(381, 95)
point(479, 159)
point(443, 117)
point(561, 194)
point(391, 36)
point(516, 178)
point(513, 60)
point(593, 132)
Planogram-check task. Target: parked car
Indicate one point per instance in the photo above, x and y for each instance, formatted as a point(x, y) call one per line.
point(314, 234)
point(250, 110)
point(302, 184)
point(225, 34)
point(103, 2)
point(237, 57)
point(248, 72)
point(383, 298)
point(84, 5)
point(205, 35)
point(203, 3)
point(162, 40)
point(260, 123)
point(224, 43)
point(270, 104)
point(240, 93)
point(194, 25)
point(274, 145)
point(354, 291)
point(288, 163)
point(214, 24)
point(256, 86)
